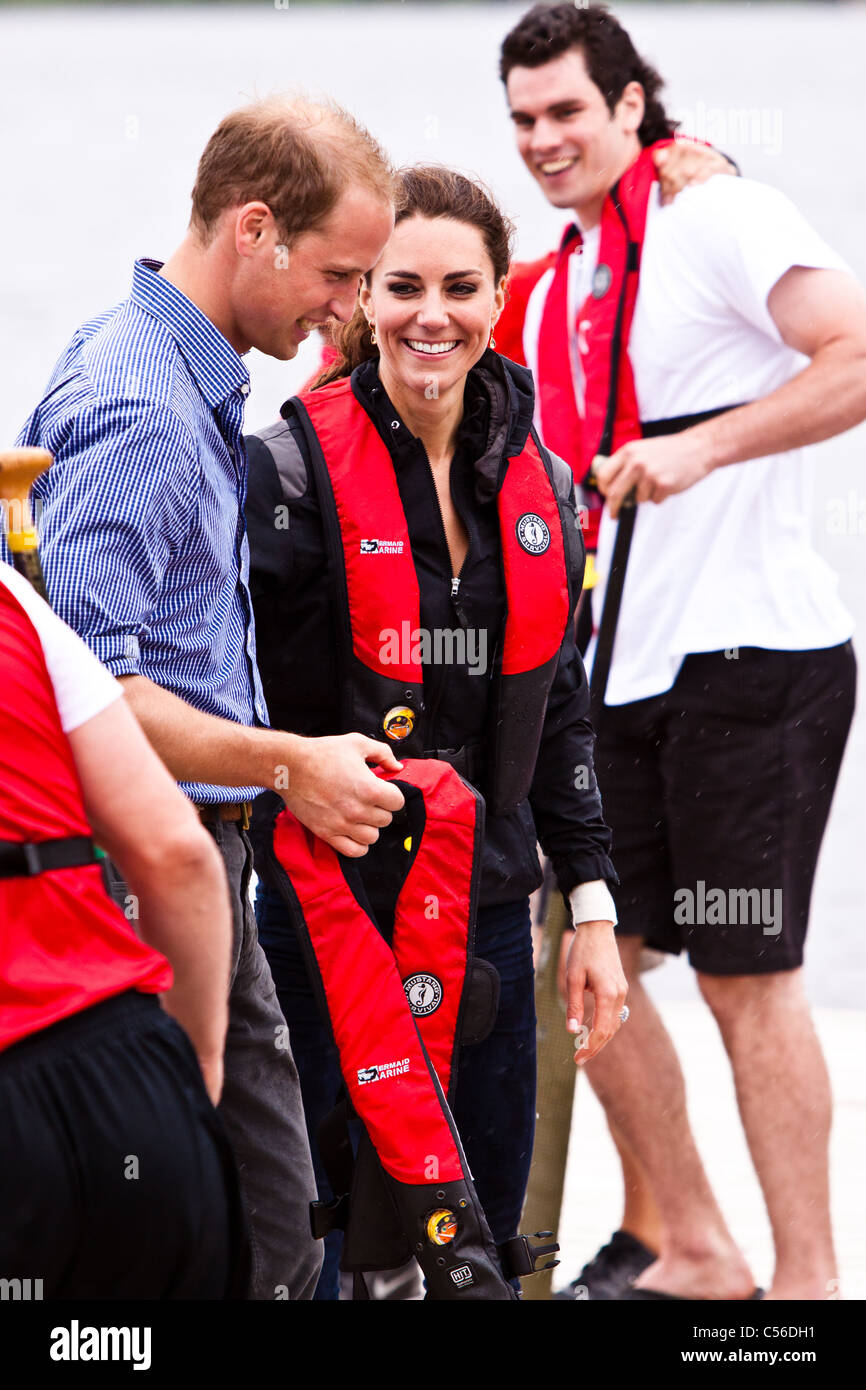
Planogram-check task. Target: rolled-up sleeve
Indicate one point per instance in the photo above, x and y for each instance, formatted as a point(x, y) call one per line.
point(119, 498)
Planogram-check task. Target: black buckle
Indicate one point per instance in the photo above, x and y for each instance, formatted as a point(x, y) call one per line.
point(329, 1216)
point(519, 1258)
point(26, 860)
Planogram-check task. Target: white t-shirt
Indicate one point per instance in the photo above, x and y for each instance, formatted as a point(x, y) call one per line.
point(82, 687)
point(729, 562)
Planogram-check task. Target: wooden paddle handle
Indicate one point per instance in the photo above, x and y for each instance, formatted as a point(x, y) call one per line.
point(19, 469)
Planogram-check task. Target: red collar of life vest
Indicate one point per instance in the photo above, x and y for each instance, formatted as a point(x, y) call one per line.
point(382, 592)
point(610, 416)
point(64, 945)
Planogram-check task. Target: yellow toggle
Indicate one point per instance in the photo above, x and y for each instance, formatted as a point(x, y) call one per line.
point(590, 574)
point(441, 1226)
point(21, 541)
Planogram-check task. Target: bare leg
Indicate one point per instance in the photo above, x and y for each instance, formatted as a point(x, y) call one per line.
point(638, 1080)
point(783, 1091)
point(641, 1217)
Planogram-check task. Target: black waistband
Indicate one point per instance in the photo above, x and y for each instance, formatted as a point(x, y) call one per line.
point(651, 428)
point(24, 860)
point(119, 1013)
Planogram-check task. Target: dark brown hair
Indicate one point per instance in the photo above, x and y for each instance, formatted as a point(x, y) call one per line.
point(297, 156)
point(547, 31)
point(429, 190)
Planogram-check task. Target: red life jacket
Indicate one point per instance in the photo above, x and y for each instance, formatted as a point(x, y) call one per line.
point(610, 417)
point(398, 1001)
point(64, 945)
point(522, 279)
point(368, 539)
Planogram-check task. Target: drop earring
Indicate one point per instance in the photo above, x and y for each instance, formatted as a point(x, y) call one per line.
point(373, 339)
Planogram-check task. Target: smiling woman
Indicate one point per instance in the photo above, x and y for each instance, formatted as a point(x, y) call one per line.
point(424, 508)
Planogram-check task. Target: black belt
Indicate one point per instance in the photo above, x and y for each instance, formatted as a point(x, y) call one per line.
point(652, 429)
point(225, 810)
point(25, 860)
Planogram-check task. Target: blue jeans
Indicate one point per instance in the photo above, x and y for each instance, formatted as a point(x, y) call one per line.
point(495, 1097)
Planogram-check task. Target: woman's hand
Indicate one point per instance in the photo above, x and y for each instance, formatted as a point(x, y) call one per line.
point(592, 966)
point(685, 162)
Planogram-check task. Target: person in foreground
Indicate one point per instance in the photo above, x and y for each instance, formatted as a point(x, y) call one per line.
point(117, 1176)
point(731, 686)
point(146, 557)
point(418, 374)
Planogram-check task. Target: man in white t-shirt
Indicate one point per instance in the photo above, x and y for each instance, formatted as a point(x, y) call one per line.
point(676, 341)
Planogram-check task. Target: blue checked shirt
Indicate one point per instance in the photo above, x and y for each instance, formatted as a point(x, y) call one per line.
point(142, 529)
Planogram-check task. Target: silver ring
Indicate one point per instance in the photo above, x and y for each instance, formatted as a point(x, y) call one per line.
point(624, 1015)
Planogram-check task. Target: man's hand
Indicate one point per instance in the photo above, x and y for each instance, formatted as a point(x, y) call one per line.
point(593, 966)
point(335, 794)
point(687, 162)
point(653, 468)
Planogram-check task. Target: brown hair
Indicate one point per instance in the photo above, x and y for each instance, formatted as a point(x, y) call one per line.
point(297, 156)
point(428, 190)
point(612, 61)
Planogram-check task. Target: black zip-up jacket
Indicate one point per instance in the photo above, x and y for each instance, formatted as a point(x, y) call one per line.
point(293, 598)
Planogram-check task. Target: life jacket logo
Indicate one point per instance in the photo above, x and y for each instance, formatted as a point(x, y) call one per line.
point(383, 1072)
point(424, 993)
point(601, 281)
point(371, 547)
point(533, 533)
point(399, 723)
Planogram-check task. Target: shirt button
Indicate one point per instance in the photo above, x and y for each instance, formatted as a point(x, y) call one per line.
point(245, 389)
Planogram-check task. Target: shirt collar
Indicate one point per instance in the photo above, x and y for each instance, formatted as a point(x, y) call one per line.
point(218, 370)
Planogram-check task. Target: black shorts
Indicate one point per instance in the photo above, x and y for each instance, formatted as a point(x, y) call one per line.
point(717, 793)
point(117, 1178)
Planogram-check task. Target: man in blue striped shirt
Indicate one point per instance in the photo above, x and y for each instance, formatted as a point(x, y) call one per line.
point(145, 555)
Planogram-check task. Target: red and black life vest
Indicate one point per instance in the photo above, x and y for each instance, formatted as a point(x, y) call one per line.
point(610, 416)
point(368, 541)
point(64, 945)
point(401, 992)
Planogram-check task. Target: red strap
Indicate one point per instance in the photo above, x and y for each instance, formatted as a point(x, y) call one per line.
point(536, 582)
point(380, 574)
point(431, 916)
point(575, 439)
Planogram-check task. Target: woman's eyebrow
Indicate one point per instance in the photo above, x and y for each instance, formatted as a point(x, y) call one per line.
point(413, 275)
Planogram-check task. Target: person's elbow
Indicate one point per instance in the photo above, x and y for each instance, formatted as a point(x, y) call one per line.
point(174, 854)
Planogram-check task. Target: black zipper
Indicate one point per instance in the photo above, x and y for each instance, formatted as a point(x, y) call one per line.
point(433, 707)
